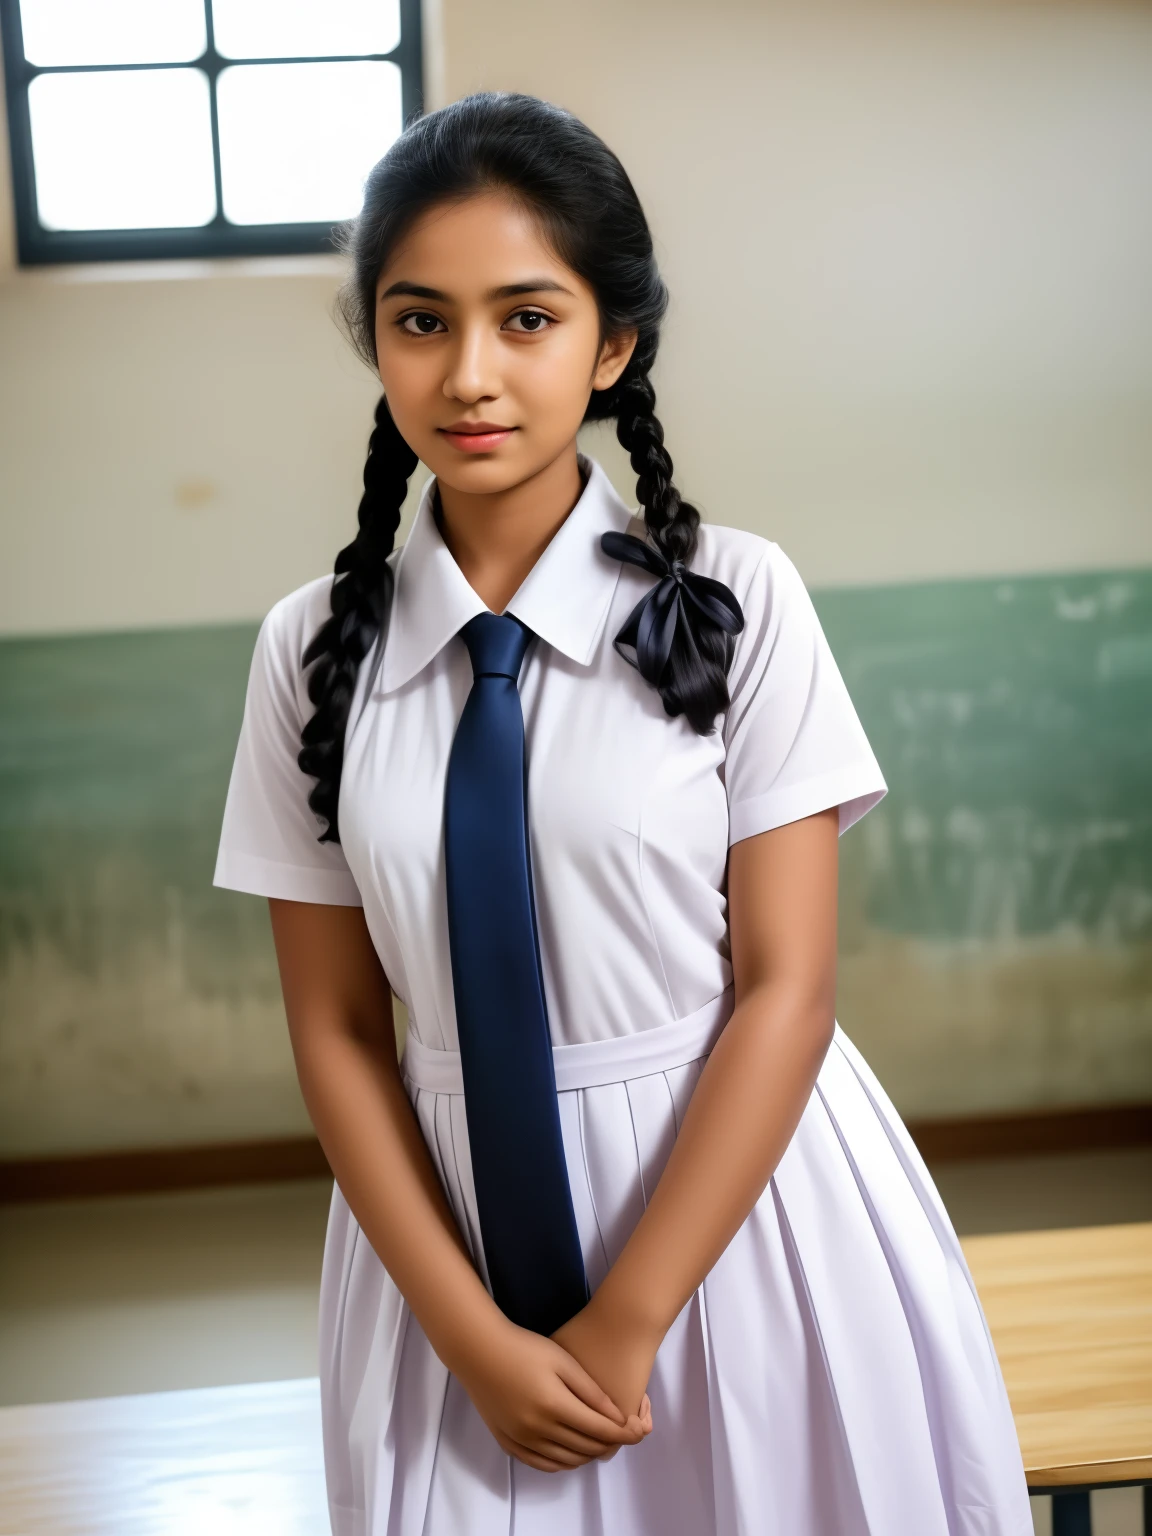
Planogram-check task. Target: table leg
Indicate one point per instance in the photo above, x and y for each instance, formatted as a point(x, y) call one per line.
point(1072, 1514)
point(1148, 1509)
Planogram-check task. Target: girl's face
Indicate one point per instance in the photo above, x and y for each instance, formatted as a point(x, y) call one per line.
point(488, 346)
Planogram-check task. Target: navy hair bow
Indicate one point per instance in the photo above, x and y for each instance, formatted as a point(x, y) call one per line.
point(650, 627)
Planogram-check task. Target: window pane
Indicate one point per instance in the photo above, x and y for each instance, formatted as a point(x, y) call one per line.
point(274, 29)
point(112, 31)
point(123, 149)
point(297, 140)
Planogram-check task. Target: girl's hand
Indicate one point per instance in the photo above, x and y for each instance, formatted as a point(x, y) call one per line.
point(541, 1405)
point(616, 1354)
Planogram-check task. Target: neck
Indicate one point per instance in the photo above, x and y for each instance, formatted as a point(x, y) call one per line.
point(497, 538)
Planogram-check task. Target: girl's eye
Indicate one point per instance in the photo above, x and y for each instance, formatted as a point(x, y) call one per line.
point(421, 324)
point(531, 321)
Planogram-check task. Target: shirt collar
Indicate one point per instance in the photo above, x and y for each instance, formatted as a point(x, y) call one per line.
point(564, 598)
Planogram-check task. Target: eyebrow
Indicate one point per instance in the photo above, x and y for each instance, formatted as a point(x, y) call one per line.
point(508, 291)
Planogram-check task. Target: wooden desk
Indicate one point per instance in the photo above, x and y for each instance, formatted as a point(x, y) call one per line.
point(217, 1461)
point(1071, 1314)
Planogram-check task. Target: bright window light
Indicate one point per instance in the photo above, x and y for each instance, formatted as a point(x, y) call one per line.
point(123, 149)
point(298, 140)
point(112, 31)
point(286, 29)
point(157, 129)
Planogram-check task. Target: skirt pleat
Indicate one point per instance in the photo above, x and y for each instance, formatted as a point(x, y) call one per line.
point(833, 1375)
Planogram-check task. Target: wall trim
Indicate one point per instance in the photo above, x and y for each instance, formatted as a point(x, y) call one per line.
point(1029, 1132)
point(1020, 1133)
point(161, 1170)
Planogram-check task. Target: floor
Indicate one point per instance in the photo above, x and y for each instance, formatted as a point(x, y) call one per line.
point(151, 1293)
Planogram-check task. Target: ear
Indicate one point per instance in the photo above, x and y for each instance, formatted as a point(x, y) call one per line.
point(614, 358)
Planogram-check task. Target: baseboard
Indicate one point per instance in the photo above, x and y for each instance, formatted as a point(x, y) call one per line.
point(150, 1171)
point(1021, 1133)
point(160, 1169)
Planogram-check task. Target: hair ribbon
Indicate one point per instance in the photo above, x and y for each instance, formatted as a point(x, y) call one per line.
point(651, 626)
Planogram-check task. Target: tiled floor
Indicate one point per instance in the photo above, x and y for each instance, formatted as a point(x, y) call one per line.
point(148, 1293)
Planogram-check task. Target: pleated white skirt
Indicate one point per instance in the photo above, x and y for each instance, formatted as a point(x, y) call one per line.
point(833, 1376)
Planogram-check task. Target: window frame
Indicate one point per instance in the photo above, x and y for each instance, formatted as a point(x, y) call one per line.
point(37, 246)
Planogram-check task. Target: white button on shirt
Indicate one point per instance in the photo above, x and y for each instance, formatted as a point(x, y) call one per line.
point(631, 813)
point(833, 1372)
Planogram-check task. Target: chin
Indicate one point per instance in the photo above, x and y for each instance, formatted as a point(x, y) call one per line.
point(484, 475)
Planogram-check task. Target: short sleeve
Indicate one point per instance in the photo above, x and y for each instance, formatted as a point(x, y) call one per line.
point(269, 840)
point(794, 743)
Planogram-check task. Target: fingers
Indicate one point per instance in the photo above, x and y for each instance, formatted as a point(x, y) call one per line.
point(552, 1456)
point(559, 1448)
point(551, 1414)
point(555, 1450)
point(643, 1418)
point(588, 1447)
point(633, 1426)
point(529, 1457)
point(640, 1423)
point(573, 1433)
point(578, 1381)
point(545, 1454)
point(574, 1415)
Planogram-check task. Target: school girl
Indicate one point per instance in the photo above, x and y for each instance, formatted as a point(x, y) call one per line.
point(632, 1241)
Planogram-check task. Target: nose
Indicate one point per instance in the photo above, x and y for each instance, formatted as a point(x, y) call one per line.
point(473, 372)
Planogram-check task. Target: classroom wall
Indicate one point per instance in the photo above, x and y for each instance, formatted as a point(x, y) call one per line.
point(908, 248)
point(911, 338)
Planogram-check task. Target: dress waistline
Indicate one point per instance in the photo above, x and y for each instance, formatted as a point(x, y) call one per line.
point(596, 1063)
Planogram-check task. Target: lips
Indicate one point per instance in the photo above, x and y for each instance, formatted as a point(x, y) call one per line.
point(476, 436)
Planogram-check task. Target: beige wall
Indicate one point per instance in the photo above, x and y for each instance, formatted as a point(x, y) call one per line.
point(911, 332)
point(909, 249)
point(176, 447)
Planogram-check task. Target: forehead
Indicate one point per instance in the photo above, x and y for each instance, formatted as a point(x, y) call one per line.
point(476, 244)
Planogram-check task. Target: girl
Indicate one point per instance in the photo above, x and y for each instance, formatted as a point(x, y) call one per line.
point(632, 1242)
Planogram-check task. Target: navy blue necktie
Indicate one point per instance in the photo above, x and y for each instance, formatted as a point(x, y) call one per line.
point(524, 1203)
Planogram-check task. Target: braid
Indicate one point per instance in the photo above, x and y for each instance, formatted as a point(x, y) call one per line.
point(694, 682)
point(361, 598)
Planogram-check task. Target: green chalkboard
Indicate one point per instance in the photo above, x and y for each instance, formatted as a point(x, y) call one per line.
point(115, 752)
point(138, 1005)
point(1013, 721)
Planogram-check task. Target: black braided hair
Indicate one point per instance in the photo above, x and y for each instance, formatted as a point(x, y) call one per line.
point(589, 211)
point(361, 598)
point(694, 681)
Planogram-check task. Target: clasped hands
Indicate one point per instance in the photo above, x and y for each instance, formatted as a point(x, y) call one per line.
point(558, 1402)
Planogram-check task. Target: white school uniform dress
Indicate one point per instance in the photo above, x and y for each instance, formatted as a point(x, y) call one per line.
point(833, 1375)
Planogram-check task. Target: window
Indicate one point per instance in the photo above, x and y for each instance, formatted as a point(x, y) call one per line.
point(153, 128)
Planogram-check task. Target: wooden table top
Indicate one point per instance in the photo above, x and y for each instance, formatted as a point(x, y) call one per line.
point(1071, 1314)
point(216, 1461)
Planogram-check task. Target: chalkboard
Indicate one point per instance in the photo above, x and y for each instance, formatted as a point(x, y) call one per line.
point(1013, 722)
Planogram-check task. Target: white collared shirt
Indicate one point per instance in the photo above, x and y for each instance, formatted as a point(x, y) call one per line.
point(631, 813)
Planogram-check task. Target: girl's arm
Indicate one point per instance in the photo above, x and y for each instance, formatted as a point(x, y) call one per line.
point(539, 1403)
point(746, 1105)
